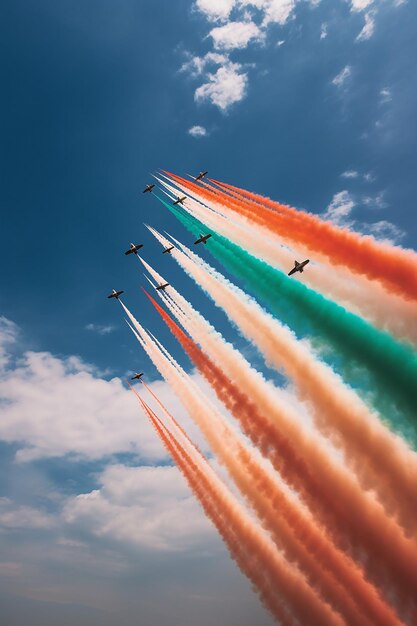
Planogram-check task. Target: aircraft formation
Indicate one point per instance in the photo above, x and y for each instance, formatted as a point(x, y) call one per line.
point(134, 248)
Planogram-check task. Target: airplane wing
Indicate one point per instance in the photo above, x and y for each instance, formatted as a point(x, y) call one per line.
point(294, 269)
point(129, 251)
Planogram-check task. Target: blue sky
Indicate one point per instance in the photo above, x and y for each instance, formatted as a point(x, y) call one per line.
point(311, 103)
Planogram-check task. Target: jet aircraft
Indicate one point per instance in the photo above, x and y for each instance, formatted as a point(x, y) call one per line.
point(148, 188)
point(298, 267)
point(202, 239)
point(168, 250)
point(162, 286)
point(115, 294)
point(134, 249)
point(201, 175)
point(180, 200)
point(137, 376)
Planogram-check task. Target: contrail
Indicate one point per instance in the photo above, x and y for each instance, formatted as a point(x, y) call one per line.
point(236, 456)
point(341, 492)
point(219, 505)
point(320, 558)
point(360, 295)
point(360, 351)
point(395, 268)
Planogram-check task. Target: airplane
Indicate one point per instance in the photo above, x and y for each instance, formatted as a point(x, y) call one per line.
point(137, 376)
point(115, 294)
point(148, 188)
point(180, 200)
point(298, 267)
point(201, 175)
point(168, 250)
point(202, 239)
point(162, 286)
point(134, 249)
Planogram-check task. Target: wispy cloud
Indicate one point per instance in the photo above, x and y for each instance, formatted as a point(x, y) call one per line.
point(383, 231)
point(368, 28)
point(340, 79)
point(385, 95)
point(100, 329)
point(340, 208)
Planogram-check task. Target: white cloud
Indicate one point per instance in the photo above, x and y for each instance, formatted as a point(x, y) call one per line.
point(360, 5)
point(60, 406)
point(368, 28)
point(15, 516)
point(383, 231)
point(273, 11)
point(339, 208)
point(385, 95)
point(235, 35)
point(196, 66)
point(8, 335)
point(350, 174)
point(100, 329)
point(215, 9)
point(323, 31)
point(225, 87)
point(149, 507)
point(376, 202)
point(197, 131)
point(343, 75)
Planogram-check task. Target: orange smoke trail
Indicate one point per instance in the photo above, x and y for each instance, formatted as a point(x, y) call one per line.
point(381, 460)
point(395, 268)
point(341, 504)
point(323, 560)
point(212, 502)
point(238, 458)
point(356, 293)
point(252, 551)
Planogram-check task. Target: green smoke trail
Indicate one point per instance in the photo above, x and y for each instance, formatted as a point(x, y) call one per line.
point(382, 370)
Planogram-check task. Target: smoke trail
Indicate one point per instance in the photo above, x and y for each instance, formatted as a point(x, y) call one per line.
point(396, 268)
point(322, 560)
point(216, 501)
point(363, 351)
point(360, 295)
point(382, 461)
point(236, 456)
point(357, 514)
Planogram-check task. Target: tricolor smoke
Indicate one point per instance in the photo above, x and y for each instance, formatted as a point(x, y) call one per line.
point(323, 520)
point(394, 267)
point(358, 294)
point(364, 354)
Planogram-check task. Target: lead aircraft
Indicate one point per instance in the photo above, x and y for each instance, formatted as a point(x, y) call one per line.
point(298, 267)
